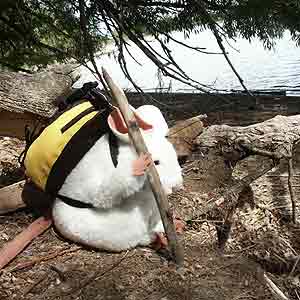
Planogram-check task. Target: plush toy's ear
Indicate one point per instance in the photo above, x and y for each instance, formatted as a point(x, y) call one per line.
point(152, 115)
point(118, 125)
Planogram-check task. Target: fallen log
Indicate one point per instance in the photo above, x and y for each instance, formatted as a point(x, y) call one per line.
point(11, 197)
point(24, 98)
point(273, 138)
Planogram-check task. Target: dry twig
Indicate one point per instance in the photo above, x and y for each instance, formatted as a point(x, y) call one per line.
point(33, 285)
point(230, 197)
point(274, 288)
point(294, 266)
point(213, 28)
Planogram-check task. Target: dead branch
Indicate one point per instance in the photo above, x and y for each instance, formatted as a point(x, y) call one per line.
point(36, 260)
point(229, 199)
point(213, 28)
point(294, 266)
point(271, 141)
point(152, 175)
point(165, 64)
point(87, 45)
point(274, 288)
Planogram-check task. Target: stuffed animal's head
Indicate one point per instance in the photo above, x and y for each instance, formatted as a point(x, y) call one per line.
point(154, 129)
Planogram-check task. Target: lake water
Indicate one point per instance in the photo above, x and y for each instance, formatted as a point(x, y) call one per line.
point(261, 69)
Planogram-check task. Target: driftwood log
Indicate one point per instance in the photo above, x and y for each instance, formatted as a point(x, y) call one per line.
point(272, 141)
point(26, 97)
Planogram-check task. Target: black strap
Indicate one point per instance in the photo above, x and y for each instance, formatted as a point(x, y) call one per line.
point(113, 147)
point(73, 202)
point(77, 118)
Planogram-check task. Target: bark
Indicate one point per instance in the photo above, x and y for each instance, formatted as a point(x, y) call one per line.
point(24, 98)
point(273, 138)
point(11, 197)
point(269, 142)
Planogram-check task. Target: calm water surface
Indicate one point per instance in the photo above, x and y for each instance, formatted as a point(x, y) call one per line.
point(260, 68)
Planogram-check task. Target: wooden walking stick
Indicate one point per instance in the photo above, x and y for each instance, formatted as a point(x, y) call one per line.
point(121, 101)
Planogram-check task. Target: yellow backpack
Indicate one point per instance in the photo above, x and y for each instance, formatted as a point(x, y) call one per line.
point(57, 149)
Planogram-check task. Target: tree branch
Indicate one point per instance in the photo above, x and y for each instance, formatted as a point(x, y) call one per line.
point(214, 30)
point(87, 45)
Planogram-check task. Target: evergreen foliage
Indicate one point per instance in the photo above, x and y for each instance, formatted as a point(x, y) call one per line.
point(39, 32)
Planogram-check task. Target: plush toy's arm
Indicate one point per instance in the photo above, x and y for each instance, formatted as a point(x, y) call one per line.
point(118, 186)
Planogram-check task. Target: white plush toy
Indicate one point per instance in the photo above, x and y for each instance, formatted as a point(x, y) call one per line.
point(125, 213)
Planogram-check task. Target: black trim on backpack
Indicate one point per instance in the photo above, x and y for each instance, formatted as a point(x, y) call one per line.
point(76, 95)
point(77, 118)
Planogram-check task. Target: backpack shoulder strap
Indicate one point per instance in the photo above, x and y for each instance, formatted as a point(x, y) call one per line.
point(113, 147)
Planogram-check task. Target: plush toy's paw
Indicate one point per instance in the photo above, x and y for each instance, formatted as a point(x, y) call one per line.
point(160, 241)
point(179, 224)
point(140, 165)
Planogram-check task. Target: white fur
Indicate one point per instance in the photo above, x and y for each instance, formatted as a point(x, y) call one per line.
point(125, 213)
